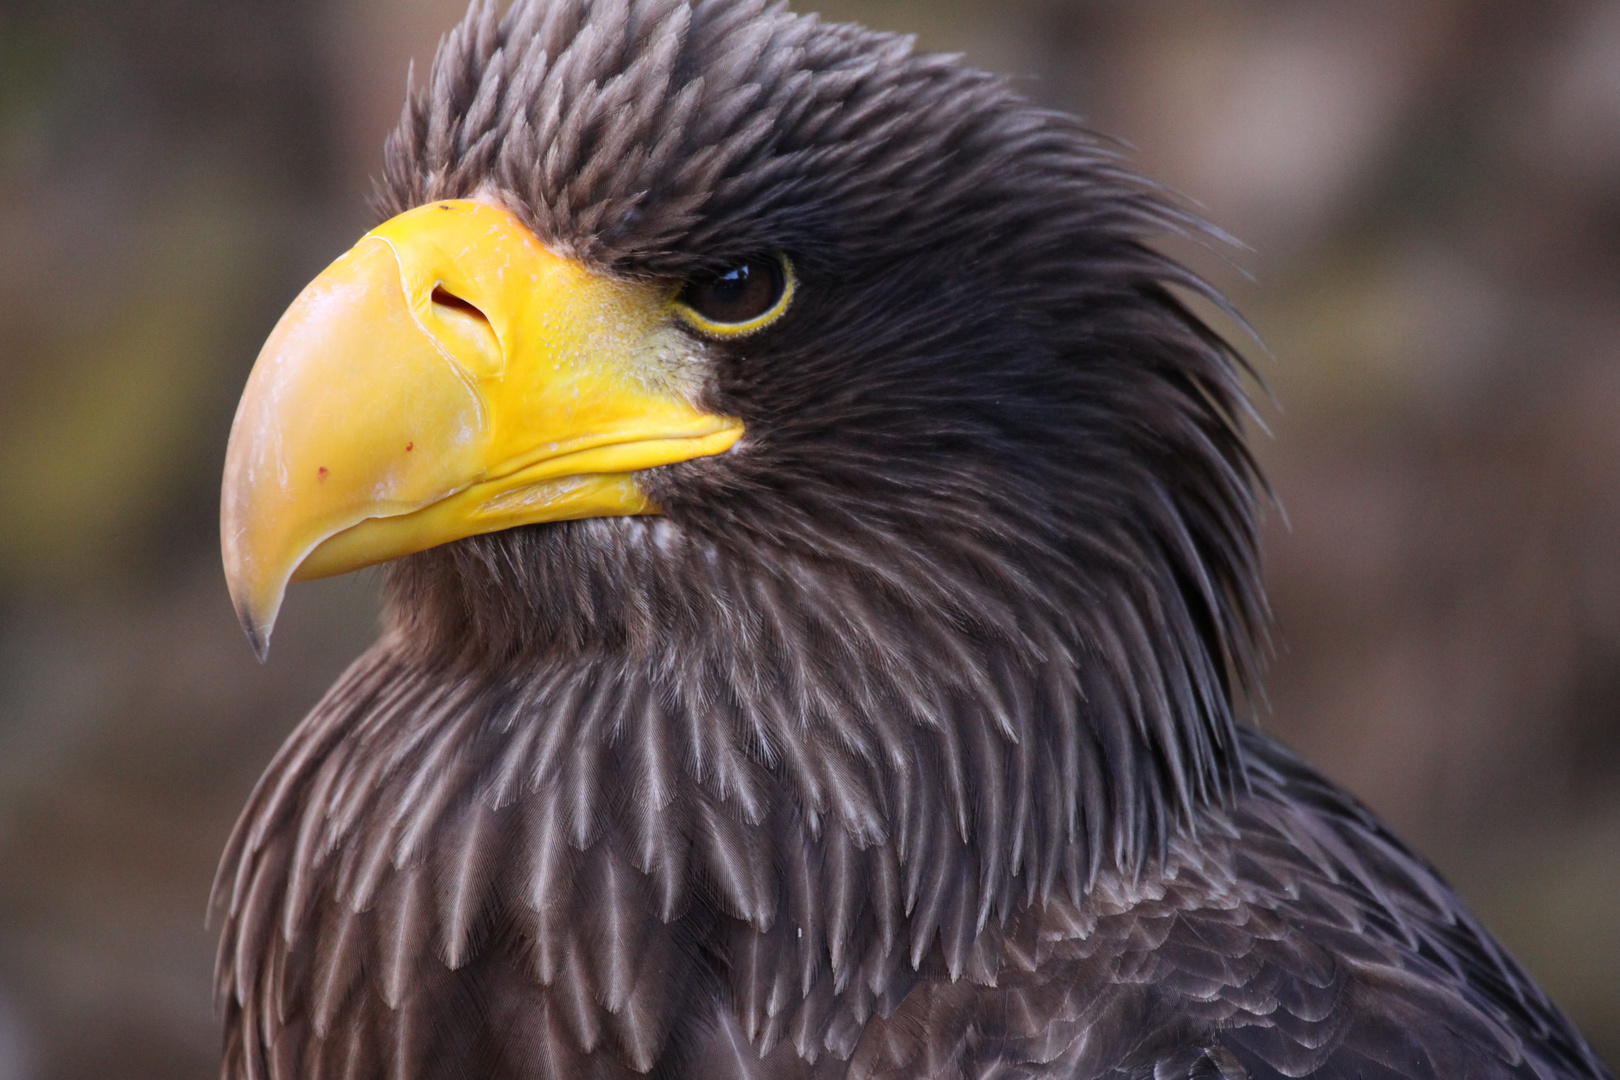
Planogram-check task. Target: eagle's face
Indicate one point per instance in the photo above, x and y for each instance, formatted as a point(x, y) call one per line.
point(697, 315)
point(606, 258)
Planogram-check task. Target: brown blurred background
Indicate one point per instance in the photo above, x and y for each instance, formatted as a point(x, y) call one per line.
point(1431, 194)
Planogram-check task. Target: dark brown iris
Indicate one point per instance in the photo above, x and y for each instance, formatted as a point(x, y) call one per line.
point(738, 295)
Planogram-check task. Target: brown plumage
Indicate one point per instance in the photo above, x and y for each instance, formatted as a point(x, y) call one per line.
point(902, 743)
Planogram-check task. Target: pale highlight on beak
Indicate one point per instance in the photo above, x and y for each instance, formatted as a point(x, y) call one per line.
point(448, 376)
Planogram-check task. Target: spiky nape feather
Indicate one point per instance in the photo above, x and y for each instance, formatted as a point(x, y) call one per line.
point(903, 741)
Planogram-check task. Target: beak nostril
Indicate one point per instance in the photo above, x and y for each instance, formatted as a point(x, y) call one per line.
point(466, 329)
point(442, 297)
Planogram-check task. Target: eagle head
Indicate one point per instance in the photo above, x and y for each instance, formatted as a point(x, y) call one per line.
point(830, 381)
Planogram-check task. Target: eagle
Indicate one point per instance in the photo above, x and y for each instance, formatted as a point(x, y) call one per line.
point(822, 570)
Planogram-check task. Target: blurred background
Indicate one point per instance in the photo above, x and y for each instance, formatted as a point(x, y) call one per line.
point(1430, 195)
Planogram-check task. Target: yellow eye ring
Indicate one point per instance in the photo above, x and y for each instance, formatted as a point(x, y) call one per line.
point(739, 301)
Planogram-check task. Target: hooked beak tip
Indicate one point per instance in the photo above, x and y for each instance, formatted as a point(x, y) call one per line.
point(258, 634)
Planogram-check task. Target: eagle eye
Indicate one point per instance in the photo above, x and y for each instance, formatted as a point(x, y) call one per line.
point(740, 299)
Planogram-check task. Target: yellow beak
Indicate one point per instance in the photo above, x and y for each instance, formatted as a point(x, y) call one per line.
point(447, 376)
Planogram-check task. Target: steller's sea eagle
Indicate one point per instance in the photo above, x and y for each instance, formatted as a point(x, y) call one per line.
point(822, 559)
